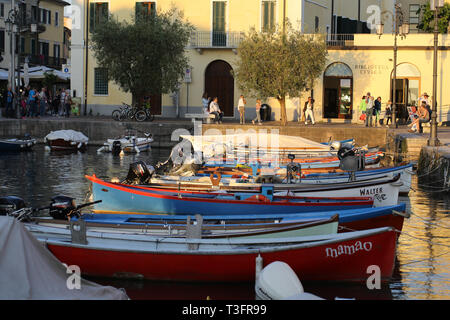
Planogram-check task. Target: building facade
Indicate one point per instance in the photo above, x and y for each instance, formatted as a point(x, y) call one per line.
point(359, 61)
point(39, 32)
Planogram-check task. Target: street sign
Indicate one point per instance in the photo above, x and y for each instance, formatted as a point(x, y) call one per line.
point(66, 68)
point(188, 75)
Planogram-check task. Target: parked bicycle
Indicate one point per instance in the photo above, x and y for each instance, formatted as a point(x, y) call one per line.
point(127, 111)
point(121, 114)
point(144, 113)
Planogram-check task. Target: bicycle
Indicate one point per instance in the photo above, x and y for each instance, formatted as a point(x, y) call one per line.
point(121, 113)
point(144, 114)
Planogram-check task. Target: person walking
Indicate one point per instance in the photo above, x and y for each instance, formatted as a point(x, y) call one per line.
point(309, 111)
point(32, 96)
point(67, 103)
point(215, 110)
point(9, 103)
point(369, 109)
point(388, 113)
point(362, 109)
point(258, 112)
point(377, 110)
point(241, 107)
point(61, 105)
point(42, 102)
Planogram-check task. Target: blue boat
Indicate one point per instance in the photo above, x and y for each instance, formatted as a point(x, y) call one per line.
point(127, 199)
point(351, 219)
point(15, 145)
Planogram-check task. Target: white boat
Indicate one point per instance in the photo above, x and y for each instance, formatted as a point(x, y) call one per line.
point(66, 140)
point(127, 144)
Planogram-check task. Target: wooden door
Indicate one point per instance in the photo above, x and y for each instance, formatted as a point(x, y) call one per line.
point(155, 103)
point(220, 83)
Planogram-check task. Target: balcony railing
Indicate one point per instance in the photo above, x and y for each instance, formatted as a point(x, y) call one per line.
point(231, 40)
point(340, 40)
point(215, 39)
point(51, 62)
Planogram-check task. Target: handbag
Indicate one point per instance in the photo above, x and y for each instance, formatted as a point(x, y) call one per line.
point(362, 117)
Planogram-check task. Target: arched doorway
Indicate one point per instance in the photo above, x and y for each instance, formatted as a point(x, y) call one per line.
point(407, 89)
point(338, 91)
point(219, 82)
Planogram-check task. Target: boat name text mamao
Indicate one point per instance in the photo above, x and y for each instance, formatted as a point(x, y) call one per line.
point(348, 249)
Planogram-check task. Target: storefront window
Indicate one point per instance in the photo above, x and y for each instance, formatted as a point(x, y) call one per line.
point(338, 91)
point(407, 89)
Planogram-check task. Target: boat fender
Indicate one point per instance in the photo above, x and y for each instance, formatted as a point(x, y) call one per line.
point(215, 181)
point(277, 281)
point(258, 266)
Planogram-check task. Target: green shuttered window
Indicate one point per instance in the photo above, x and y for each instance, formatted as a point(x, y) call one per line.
point(98, 13)
point(145, 9)
point(219, 23)
point(268, 16)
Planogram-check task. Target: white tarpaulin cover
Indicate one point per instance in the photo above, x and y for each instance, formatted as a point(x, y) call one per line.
point(212, 145)
point(29, 271)
point(257, 140)
point(67, 135)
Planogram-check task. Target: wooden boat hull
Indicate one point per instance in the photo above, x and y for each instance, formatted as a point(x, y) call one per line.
point(384, 192)
point(64, 145)
point(249, 230)
point(309, 180)
point(341, 257)
point(120, 198)
point(349, 220)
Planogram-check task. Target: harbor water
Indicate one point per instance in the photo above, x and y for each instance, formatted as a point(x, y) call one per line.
point(422, 268)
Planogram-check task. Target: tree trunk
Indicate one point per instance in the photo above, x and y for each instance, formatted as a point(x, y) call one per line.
point(282, 102)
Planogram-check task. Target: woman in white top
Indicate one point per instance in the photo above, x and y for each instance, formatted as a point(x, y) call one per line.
point(241, 108)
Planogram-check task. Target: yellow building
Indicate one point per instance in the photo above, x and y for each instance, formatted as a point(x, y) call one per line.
point(51, 42)
point(357, 63)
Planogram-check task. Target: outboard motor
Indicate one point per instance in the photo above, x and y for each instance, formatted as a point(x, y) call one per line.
point(293, 169)
point(116, 147)
point(139, 173)
point(345, 151)
point(10, 204)
point(61, 207)
point(351, 160)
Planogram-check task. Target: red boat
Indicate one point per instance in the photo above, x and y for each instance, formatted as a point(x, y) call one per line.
point(336, 257)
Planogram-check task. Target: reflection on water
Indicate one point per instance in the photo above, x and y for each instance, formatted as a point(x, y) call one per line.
point(422, 269)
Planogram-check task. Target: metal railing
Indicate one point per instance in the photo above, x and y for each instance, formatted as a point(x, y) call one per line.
point(340, 40)
point(215, 39)
point(52, 62)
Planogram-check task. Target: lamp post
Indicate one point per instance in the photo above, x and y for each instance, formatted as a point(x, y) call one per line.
point(11, 28)
point(433, 141)
point(14, 24)
point(399, 29)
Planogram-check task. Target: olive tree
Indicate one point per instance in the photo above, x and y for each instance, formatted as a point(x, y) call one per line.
point(145, 56)
point(279, 64)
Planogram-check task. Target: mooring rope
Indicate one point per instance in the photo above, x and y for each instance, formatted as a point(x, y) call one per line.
point(421, 260)
point(445, 226)
point(418, 238)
